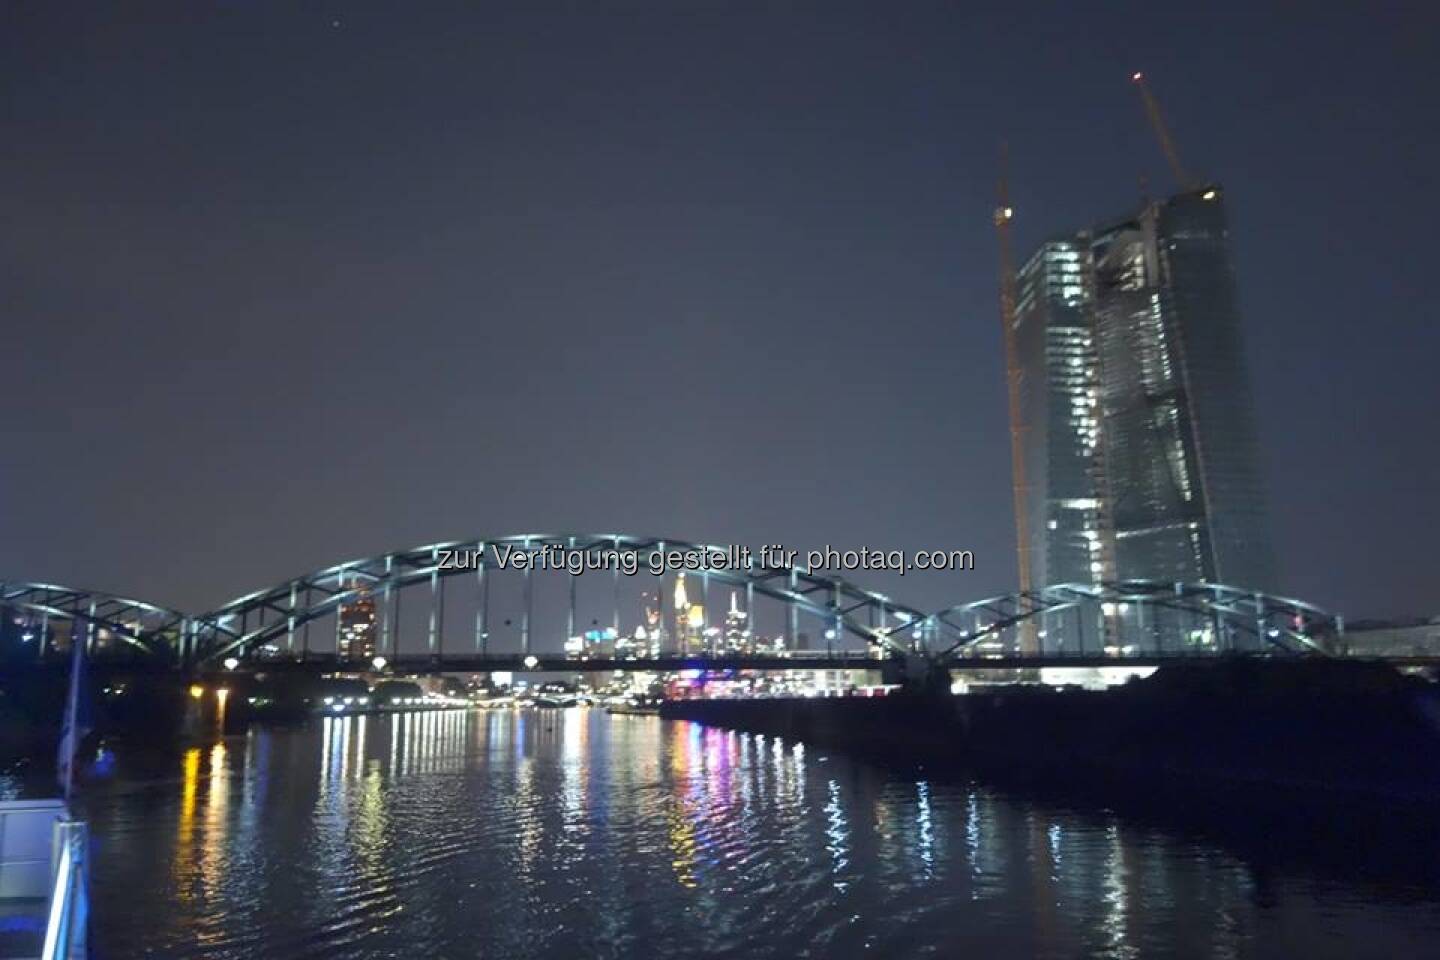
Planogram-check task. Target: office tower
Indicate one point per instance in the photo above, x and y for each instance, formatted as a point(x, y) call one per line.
point(689, 620)
point(737, 627)
point(1059, 398)
point(1140, 445)
point(356, 634)
point(1182, 454)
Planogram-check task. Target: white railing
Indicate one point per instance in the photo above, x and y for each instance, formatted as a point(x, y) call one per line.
point(69, 911)
point(43, 861)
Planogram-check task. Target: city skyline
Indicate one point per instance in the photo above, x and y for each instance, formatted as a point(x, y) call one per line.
point(289, 284)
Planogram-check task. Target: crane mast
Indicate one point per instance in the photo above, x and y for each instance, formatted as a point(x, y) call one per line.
point(1004, 214)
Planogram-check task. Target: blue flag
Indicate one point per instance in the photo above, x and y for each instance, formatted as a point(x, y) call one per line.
point(76, 723)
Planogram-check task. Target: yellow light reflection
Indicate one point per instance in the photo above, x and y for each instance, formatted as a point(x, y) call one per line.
point(201, 860)
point(680, 833)
point(189, 783)
point(217, 826)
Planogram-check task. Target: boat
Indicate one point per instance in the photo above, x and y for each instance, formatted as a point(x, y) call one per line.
point(557, 700)
point(635, 706)
point(556, 695)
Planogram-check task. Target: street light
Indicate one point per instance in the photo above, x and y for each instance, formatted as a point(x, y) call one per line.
point(531, 662)
point(231, 663)
point(379, 663)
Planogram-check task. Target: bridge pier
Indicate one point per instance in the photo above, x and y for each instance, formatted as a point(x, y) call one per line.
point(917, 675)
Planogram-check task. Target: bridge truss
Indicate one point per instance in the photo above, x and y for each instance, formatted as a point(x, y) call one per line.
point(139, 627)
point(276, 617)
point(1081, 622)
point(1129, 618)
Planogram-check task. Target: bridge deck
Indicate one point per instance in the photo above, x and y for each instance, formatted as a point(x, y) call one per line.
point(559, 663)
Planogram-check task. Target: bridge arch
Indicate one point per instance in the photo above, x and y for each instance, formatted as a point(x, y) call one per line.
point(249, 623)
point(141, 627)
point(1132, 617)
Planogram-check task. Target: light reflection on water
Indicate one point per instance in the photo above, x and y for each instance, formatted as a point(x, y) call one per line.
point(570, 832)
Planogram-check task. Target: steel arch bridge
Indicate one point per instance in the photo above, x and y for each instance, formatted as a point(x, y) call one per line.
point(1120, 621)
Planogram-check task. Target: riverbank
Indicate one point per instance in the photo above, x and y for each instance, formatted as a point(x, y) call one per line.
point(1344, 731)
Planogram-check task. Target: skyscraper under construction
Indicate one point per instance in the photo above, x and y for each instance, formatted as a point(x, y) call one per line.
point(1140, 449)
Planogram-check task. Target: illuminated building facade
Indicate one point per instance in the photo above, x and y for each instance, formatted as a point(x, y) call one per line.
point(682, 613)
point(356, 637)
point(737, 628)
point(1140, 445)
point(1060, 402)
point(649, 637)
point(689, 620)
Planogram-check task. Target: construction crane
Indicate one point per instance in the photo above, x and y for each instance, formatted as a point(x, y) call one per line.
point(1152, 110)
point(1004, 214)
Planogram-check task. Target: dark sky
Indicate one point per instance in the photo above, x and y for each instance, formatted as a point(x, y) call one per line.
point(285, 283)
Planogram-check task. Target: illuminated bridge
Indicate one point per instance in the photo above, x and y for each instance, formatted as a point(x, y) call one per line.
point(466, 606)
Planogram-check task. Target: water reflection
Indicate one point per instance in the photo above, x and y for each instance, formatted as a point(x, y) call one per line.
point(925, 829)
point(526, 812)
point(1116, 900)
point(184, 853)
point(836, 834)
point(536, 834)
point(681, 813)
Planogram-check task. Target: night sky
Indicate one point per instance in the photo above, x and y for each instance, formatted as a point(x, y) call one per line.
point(288, 283)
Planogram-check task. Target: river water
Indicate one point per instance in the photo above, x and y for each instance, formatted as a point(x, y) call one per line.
point(571, 833)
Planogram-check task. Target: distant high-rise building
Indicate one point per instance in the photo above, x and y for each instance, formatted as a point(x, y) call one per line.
point(357, 629)
point(737, 628)
point(653, 628)
point(689, 620)
point(1141, 452)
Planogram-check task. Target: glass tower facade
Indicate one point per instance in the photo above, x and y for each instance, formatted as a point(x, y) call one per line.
point(1060, 388)
point(1141, 451)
